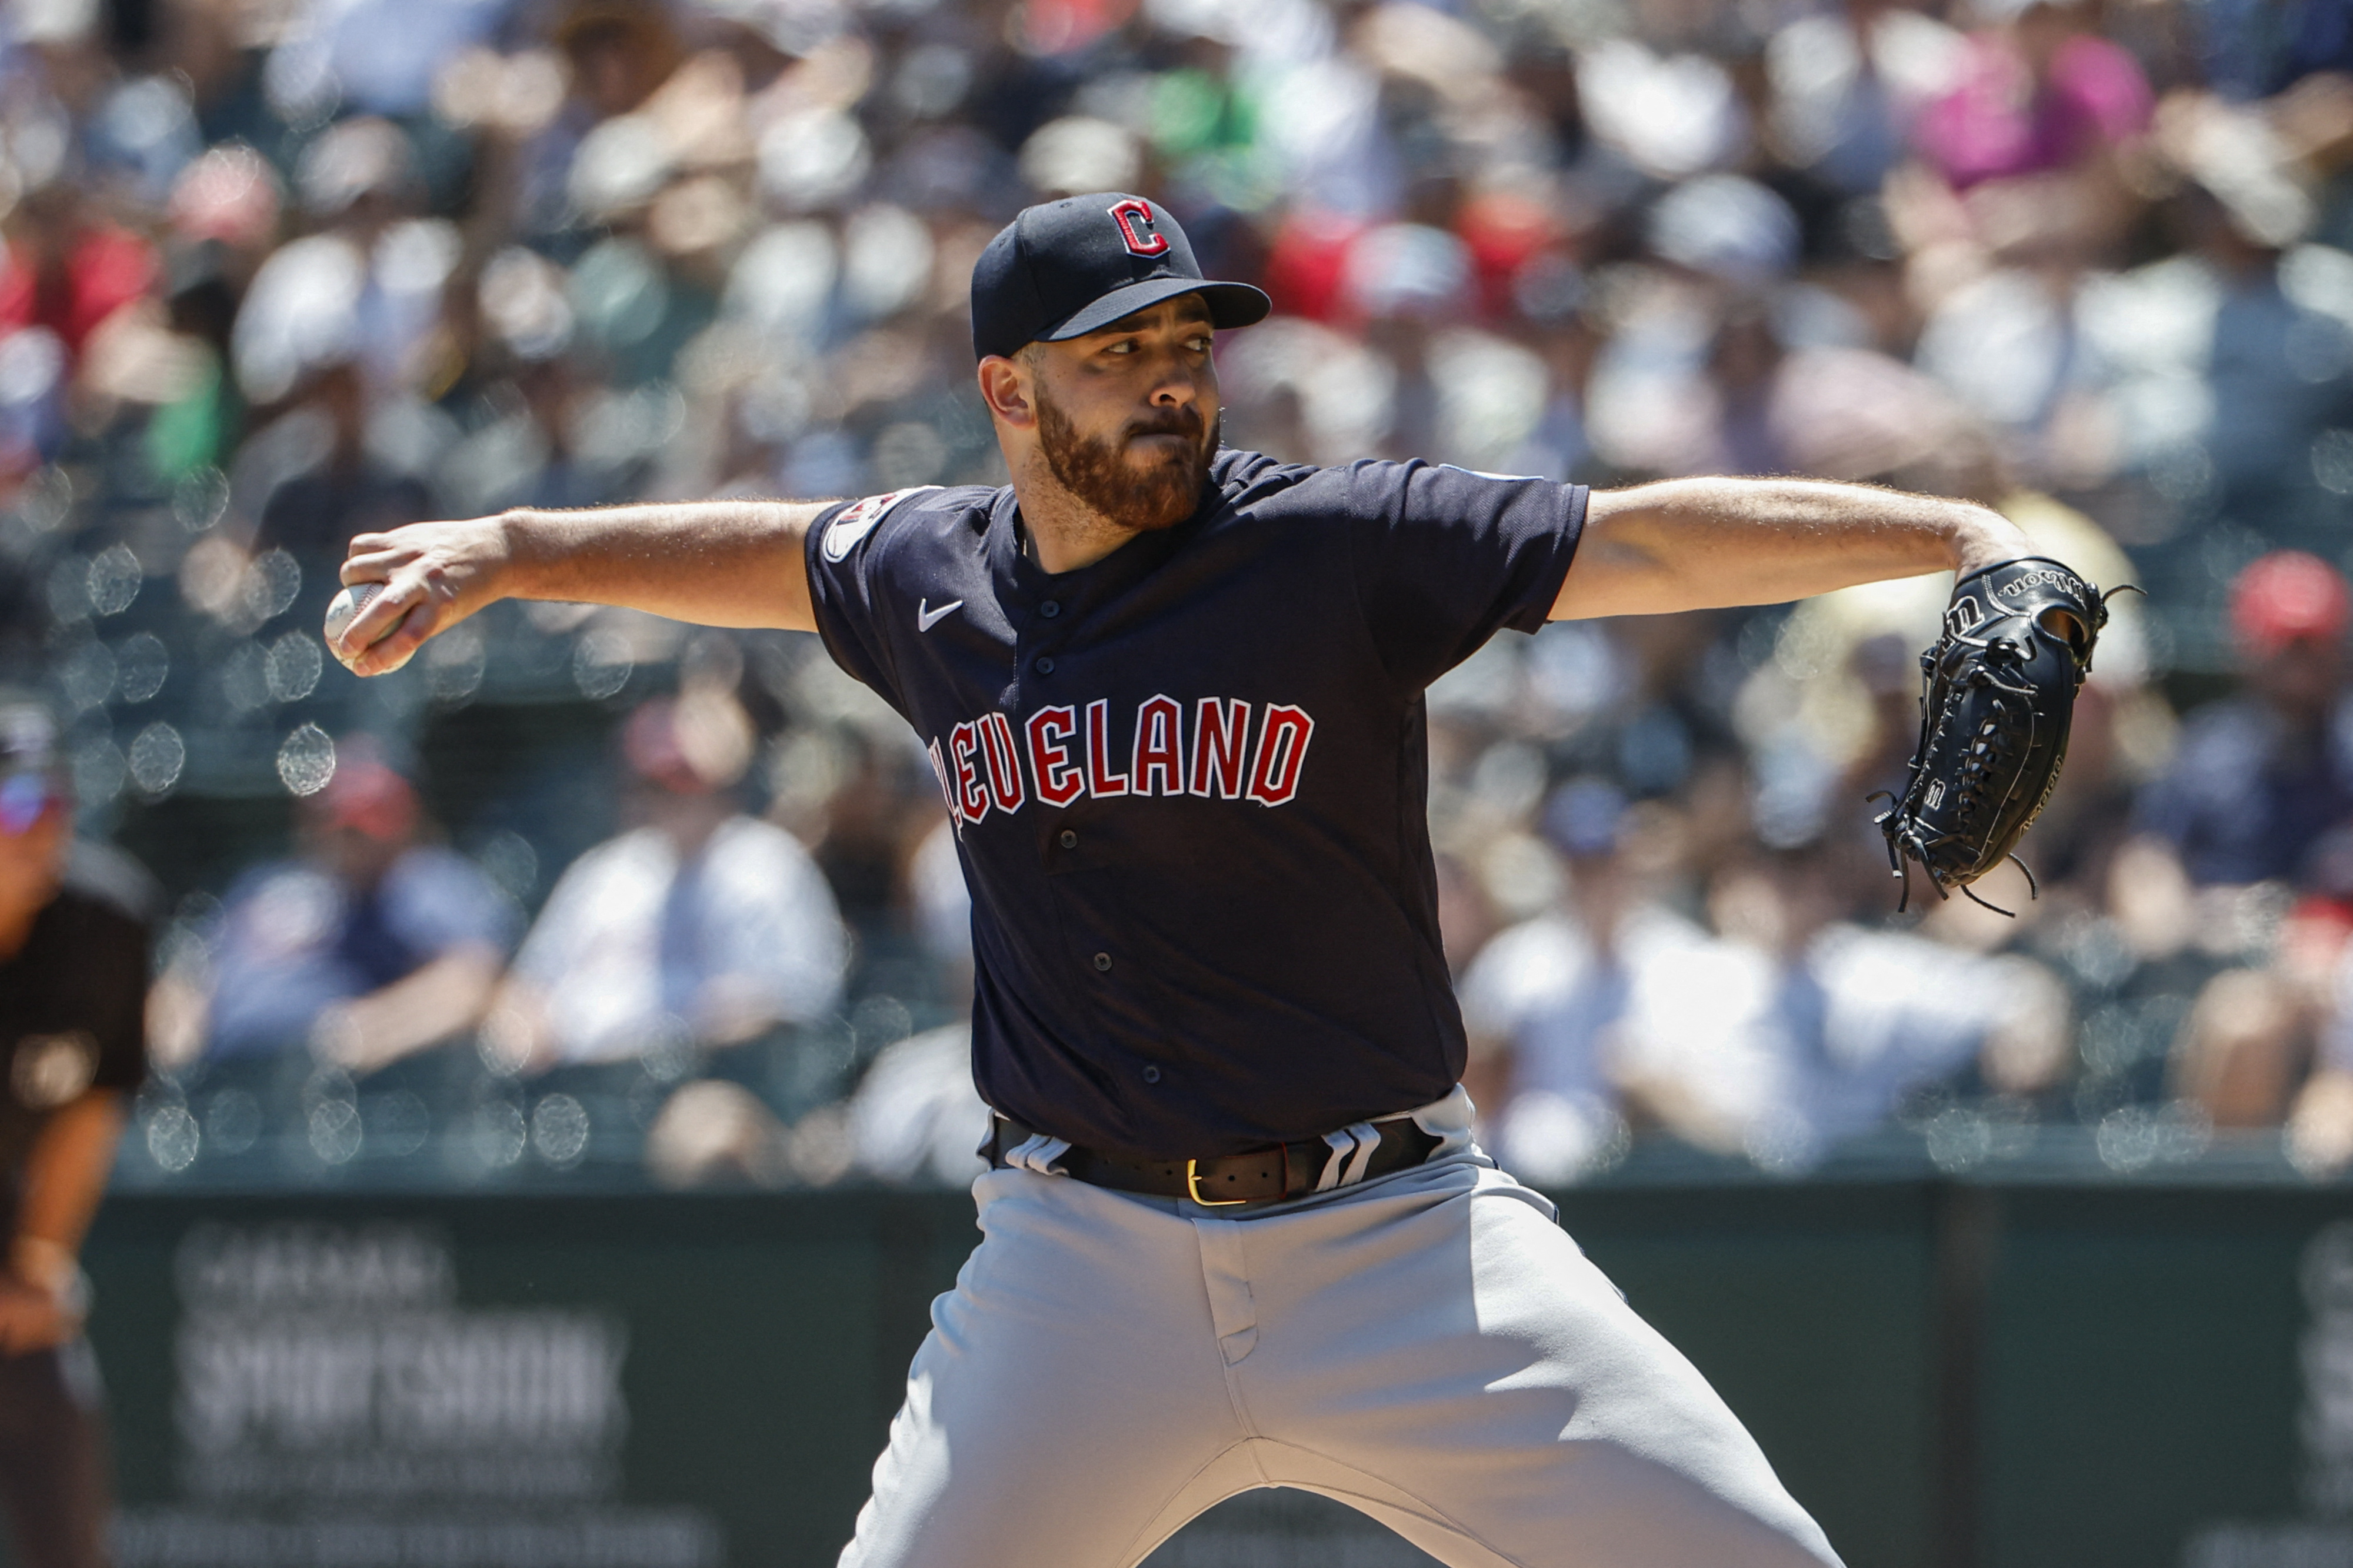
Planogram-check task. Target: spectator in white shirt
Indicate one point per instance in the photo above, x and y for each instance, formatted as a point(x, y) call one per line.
point(704, 923)
point(1551, 1002)
point(1813, 1026)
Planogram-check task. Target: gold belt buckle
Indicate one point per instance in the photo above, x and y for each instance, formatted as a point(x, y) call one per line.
point(1193, 1190)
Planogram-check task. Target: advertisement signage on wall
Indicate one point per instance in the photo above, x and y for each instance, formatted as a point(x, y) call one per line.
point(334, 1403)
point(1948, 1375)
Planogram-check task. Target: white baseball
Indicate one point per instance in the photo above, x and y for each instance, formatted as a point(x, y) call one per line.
point(343, 610)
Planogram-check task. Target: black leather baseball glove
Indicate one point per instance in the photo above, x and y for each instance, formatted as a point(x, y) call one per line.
point(1999, 692)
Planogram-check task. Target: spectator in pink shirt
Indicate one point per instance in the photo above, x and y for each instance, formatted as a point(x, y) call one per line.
point(2040, 92)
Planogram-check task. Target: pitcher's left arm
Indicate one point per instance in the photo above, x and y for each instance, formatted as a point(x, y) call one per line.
point(1706, 543)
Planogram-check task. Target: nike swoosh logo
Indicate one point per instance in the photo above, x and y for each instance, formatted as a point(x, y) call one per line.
point(925, 619)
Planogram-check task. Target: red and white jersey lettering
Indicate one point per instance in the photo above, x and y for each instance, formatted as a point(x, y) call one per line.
point(970, 799)
point(1190, 781)
point(1281, 753)
point(1004, 762)
point(1102, 782)
point(1159, 764)
point(982, 752)
point(1220, 747)
point(1054, 768)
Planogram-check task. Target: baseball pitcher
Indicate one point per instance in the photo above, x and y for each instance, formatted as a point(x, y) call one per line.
point(1236, 1232)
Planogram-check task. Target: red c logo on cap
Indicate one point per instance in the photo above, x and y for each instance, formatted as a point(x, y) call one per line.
point(1134, 220)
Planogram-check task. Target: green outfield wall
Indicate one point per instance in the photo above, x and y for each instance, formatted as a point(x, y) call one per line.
point(1950, 1374)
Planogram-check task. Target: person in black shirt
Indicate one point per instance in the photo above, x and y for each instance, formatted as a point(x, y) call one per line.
point(74, 935)
point(1236, 1232)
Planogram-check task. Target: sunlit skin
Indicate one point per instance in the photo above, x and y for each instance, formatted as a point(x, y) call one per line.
point(1147, 385)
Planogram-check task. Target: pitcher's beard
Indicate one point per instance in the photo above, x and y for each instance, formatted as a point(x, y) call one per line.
point(1147, 497)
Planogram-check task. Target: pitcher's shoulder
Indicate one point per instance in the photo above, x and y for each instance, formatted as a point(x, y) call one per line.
point(1254, 481)
point(922, 508)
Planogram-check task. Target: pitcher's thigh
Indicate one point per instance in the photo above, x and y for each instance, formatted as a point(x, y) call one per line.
point(1058, 1408)
point(1493, 1380)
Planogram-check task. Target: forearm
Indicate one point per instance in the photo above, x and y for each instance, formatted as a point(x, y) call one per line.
point(718, 563)
point(723, 562)
point(1688, 545)
point(518, 1032)
point(447, 996)
point(65, 1176)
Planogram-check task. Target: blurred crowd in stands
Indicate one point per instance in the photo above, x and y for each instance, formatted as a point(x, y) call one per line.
point(583, 890)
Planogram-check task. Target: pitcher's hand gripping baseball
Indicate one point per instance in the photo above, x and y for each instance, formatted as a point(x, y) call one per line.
point(1999, 690)
point(403, 587)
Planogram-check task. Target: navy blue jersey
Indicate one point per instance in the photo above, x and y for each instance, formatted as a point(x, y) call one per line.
point(1189, 782)
point(72, 1013)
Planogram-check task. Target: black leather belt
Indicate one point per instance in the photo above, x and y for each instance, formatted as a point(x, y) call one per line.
point(1258, 1175)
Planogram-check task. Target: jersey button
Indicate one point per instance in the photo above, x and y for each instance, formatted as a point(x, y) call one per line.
point(1050, 608)
point(1152, 1075)
point(1070, 839)
point(1045, 666)
point(1102, 962)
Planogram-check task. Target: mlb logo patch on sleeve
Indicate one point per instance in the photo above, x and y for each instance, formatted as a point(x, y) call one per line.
point(854, 522)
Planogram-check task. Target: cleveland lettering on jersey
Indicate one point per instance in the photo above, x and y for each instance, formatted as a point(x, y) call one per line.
point(1067, 753)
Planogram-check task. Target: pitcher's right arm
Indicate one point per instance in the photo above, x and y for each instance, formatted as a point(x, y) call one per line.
point(717, 563)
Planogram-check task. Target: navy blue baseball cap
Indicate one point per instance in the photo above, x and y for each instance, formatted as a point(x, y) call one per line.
point(1065, 268)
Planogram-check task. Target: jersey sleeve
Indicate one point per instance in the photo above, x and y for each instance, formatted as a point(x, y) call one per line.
point(842, 546)
point(1445, 557)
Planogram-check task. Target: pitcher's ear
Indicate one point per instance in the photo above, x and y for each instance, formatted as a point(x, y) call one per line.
point(1005, 387)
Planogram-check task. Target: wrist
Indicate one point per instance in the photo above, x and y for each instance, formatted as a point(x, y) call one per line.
point(1981, 537)
point(51, 1268)
point(517, 537)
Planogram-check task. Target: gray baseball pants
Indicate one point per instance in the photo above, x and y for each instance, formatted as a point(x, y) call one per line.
point(1428, 1347)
